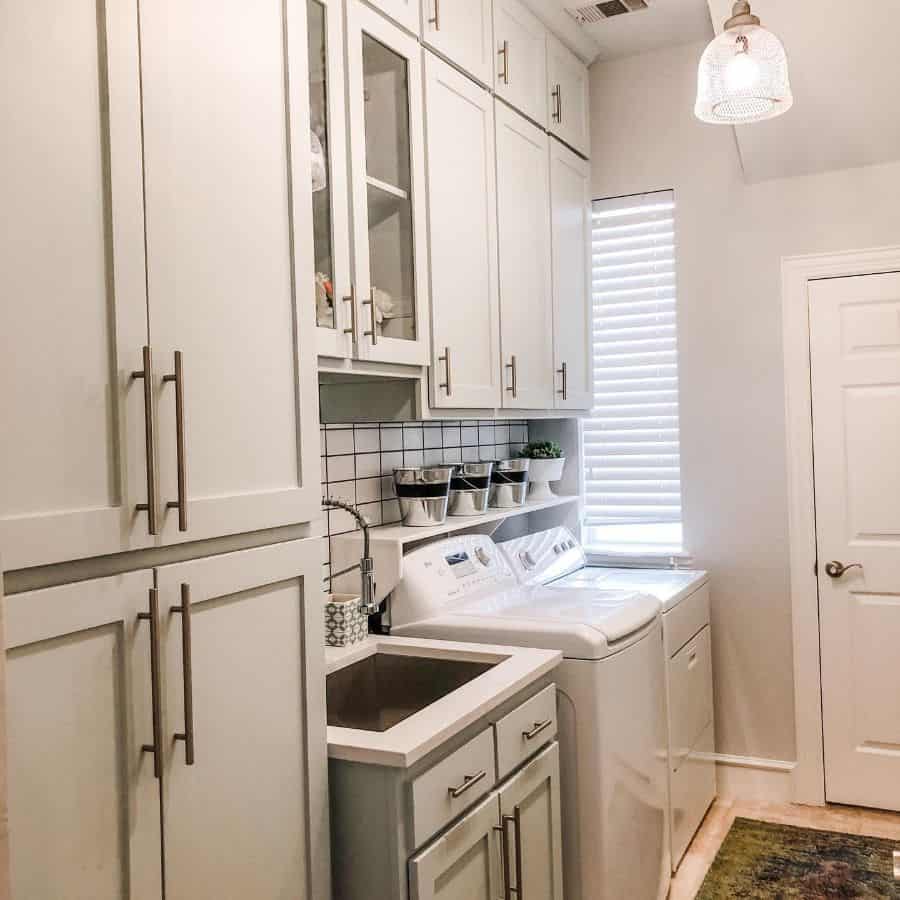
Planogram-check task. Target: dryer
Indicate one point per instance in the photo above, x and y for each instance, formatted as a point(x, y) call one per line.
point(611, 690)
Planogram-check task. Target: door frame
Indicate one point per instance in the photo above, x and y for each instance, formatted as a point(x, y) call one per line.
point(796, 273)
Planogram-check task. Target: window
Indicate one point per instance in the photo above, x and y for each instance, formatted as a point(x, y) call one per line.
point(631, 456)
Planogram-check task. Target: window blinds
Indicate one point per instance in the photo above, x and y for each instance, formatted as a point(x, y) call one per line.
point(632, 469)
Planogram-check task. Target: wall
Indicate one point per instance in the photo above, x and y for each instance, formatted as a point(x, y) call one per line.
point(731, 237)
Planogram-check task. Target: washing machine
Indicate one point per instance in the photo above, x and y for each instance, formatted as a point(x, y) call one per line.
point(555, 557)
point(611, 696)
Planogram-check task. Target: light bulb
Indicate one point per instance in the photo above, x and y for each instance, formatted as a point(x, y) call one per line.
point(742, 72)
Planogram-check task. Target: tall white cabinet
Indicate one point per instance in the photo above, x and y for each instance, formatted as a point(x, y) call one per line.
point(568, 92)
point(462, 225)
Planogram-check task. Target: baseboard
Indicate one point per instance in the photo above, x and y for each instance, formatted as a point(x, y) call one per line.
point(754, 779)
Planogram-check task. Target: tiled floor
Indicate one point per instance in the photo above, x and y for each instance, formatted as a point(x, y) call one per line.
point(718, 820)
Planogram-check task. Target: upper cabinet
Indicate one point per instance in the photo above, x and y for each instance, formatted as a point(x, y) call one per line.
point(571, 215)
point(520, 75)
point(387, 163)
point(462, 230)
point(403, 12)
point(526, 305)
point(567, 89)
point(460, 30)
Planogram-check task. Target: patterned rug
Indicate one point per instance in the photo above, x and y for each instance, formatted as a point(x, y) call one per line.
point(762, 861)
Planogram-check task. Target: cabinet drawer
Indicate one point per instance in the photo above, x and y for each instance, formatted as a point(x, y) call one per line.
point(525, 730)
point(685, 620)
point(693, 791)
point(453, 785)
point(690, 695)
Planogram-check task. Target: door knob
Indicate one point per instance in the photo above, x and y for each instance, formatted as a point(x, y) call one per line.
point(835, 569)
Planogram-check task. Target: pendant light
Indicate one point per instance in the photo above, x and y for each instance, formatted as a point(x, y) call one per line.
point(743, 73)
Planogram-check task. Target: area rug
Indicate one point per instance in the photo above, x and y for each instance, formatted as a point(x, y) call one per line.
point(762, 861)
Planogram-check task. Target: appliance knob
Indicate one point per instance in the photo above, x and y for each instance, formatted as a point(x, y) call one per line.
point(527, 559)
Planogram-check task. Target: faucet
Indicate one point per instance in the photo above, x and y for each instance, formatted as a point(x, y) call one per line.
point(366, 565)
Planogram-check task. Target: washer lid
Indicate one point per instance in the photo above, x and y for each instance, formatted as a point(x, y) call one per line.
point(669, 586)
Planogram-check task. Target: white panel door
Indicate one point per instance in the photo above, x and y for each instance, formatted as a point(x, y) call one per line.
point(570, 180)
point(462, 224)
point(403, 12)
point(526, 290)
point(520, 75)
point(229, 243)
point(462, 864)
point(245, 787)
point(855, 358)
point(73, 317)
point(568, 96)
point(83, 799)
point(530, 814)
point(461, 30)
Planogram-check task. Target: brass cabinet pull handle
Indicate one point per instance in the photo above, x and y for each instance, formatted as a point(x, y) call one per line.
point(538, 728)
point(517, 821)
point(187, 673)
point(436, 21)
point(468, 782)
point(835, 569)
point(155, 687)
point(445, 359)
point(181, 503)
point(557, 95)
point(513, 387)
point(507, 820)
point(352, 301)
point(371, 304)
point(146, 373)
point(563, 370)
point(504, 52)
point(508, 889)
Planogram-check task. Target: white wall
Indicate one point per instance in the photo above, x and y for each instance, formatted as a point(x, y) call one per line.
point(731, 237)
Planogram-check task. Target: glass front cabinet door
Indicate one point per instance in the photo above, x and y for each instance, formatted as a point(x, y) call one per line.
point(387, 190)
point(331, 218)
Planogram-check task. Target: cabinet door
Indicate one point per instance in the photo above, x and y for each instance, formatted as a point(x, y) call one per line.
point(229, 242)
point(462, 222)
point(83, 800)
point(526, 307)
point(461, 31)
point(520, 75)
point(73, 316)
point(567, 87)
point(245, 786)
point(530, 813)
point(462, 864)
point(330, 199)
point(403, 12)
point(570, 178)
point(387, 161)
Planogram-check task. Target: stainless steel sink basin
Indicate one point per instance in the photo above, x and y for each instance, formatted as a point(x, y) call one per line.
point(376, 693)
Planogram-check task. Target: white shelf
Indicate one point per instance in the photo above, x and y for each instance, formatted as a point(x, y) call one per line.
point(391, 189)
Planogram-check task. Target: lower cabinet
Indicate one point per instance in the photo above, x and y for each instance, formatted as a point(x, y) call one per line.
point(171, 721)
point(509, 844)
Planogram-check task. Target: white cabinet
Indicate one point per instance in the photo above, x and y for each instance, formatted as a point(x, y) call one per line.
point(83, 800)
point(567, 89)
point(99, 677)
point(520, 75)
point(526, 307)
point(462, 225)
point(461, 31)
point(73, 316)
point(387, 167)
point(571, 216)
point(244, 725)
point(228, 234)
point(403, 12)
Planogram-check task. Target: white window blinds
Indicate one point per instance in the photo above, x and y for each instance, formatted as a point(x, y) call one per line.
point(632, 466)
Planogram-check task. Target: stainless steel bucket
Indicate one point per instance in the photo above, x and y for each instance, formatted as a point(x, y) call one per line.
point(470, 489)
point(423, 493)
point(509, 483)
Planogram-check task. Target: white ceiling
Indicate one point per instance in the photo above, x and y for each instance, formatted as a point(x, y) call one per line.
point(845, 73)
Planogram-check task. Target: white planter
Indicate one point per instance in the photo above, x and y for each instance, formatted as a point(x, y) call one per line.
point(540, 473)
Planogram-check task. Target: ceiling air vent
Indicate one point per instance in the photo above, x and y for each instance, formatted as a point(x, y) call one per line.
point(597, 12)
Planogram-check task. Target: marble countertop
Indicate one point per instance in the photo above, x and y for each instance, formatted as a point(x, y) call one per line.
point(410, 740)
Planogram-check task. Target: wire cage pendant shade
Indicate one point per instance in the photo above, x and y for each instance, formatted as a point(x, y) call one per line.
point(743, 73)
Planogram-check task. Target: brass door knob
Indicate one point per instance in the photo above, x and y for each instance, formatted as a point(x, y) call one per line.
point(835, 569)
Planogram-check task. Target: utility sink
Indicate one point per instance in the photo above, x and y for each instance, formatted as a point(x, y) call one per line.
point(383, 689)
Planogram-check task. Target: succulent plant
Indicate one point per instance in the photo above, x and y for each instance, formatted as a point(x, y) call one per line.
point(541, 450)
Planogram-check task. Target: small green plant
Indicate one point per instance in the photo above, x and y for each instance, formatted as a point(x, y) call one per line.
point(541, 450)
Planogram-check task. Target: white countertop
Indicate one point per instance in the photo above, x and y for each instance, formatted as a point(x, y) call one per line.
point(408, 741)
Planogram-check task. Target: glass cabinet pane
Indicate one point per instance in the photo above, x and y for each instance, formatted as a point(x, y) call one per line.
point(386, 85)
point(321, 167)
